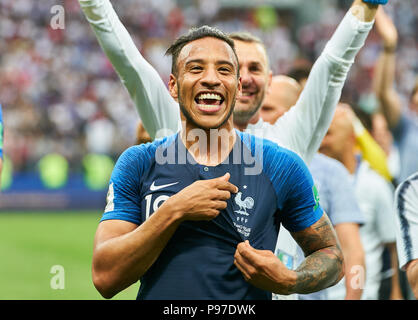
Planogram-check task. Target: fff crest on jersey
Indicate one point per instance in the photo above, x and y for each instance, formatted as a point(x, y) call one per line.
point(243, 204)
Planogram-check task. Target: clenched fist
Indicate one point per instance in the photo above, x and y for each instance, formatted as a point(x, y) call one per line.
point(203, 199)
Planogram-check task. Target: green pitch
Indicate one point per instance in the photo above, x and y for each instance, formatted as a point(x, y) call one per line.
point(31, 244)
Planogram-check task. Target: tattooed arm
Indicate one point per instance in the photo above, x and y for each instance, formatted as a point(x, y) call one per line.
point(323, 265)
point(322, 268)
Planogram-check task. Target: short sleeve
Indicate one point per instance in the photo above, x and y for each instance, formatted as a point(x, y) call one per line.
point(123, 198)
point(297, 196)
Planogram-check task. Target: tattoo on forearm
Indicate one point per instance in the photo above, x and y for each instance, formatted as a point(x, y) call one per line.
point(319, 271)
point(324, 260)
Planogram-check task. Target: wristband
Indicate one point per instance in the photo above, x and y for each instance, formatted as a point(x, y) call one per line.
point(376, 1)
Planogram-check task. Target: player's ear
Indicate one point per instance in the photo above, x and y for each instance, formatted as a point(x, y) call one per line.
point(239, 91)
point(172, 87)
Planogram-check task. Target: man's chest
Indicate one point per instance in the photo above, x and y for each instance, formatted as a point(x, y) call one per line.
point(249, 212)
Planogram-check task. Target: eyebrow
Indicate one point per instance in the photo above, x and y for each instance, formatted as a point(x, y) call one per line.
point(256, 64)
point(201, 61)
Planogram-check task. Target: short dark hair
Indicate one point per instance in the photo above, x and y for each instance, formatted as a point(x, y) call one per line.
point(364, 117)
point(195, 34)
point(300, 73)
point(245, 37)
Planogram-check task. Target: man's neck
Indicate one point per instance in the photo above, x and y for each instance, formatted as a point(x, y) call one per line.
point(242, 126)
point(209, 146)
point(350, 162)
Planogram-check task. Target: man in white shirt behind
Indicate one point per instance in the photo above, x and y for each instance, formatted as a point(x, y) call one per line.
point(406, 223)
point(336, 195)
point(374, 196)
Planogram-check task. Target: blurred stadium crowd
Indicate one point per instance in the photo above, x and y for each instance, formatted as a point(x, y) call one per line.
point(60, 94)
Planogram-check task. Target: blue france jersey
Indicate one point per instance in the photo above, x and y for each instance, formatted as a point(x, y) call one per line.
point(275, 187)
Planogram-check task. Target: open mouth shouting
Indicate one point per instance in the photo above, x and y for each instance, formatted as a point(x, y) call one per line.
point(209, 102)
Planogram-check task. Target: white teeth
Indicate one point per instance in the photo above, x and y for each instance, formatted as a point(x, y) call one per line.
point(207, 107)
point(209, 96)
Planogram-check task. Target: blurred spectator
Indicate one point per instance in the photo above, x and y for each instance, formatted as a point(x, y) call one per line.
point(405, 217)
point(384, 138)
point(283, 94)
point(334, 186)
point(401, 116)
point(374, 196)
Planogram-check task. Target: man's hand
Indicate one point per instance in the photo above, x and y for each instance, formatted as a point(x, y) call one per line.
point(263, 269)
point(387, 30)
point(364, 11)
point(322, 267)
point(203, 199)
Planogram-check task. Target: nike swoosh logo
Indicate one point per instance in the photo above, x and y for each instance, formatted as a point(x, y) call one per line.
point(155, 188)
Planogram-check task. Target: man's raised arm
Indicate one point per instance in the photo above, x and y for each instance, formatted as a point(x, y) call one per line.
point(156, 107)
point(385, 70)
point(309, 120)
